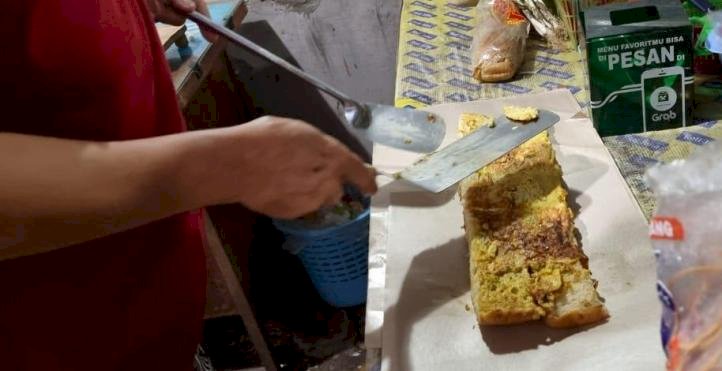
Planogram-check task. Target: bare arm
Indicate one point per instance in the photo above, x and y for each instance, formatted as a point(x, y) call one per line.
point(55, 193)
point(58, 192)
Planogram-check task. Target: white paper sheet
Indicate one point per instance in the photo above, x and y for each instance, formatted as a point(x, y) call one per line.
point(421, 316)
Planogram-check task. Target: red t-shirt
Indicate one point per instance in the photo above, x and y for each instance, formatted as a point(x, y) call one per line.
point(95, 70)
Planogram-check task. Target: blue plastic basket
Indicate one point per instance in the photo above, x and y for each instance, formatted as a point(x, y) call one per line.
point(336, 258)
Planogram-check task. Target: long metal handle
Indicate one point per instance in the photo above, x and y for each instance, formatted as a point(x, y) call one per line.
point(239, 40)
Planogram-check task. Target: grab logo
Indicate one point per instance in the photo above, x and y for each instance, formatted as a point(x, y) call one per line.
point(666, 116)
point(666, 228)
point(663, 98)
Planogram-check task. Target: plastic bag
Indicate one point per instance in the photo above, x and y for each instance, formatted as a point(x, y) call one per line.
point(547, 24)
point(686, 232)
point(499, 40)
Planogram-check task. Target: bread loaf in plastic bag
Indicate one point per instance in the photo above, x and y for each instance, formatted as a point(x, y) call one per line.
point(499, 40)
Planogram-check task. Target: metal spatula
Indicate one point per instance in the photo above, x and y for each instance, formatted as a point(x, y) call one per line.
point(440, 170)
point(411, 130)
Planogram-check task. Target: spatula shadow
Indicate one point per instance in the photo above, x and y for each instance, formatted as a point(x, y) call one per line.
point(431, 201)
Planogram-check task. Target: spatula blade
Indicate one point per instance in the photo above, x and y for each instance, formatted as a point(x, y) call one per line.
point(406, 129)
point(453, 163)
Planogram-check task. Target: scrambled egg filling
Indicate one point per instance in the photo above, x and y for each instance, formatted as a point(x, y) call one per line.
point(518, 113)
point(469, 122)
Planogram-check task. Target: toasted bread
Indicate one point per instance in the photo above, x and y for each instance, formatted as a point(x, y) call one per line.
point(524, 258)
point(502, 70)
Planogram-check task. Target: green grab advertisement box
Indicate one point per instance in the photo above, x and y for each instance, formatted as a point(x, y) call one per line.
point(640, 58)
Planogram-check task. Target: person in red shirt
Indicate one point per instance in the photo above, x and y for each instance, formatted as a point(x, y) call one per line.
point(101, 251)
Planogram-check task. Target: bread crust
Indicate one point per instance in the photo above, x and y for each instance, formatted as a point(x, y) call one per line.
point(581, 317)
point(495, 72)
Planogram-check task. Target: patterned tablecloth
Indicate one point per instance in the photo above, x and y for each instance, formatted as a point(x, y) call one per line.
point(435, 66)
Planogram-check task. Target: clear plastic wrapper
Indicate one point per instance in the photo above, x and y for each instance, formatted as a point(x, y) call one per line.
point(545, 23)
point(499, 40)
point(686, 231)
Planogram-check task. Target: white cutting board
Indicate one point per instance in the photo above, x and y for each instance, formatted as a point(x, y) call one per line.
point(419, 308)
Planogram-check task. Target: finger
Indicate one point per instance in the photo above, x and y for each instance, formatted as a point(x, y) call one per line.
point(334, 194)
point(309, 178)
point(355, 171)
point(174, 11)
point(171, 19)
point(349, 167)
point(373, 170)
point(183, 6)
point(329, 193)
point(170, 15)
point(209, 35)
point(302, 204)
point(202, 7)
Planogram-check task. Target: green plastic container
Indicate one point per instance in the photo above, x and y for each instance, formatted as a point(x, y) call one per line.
point(640, 58)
